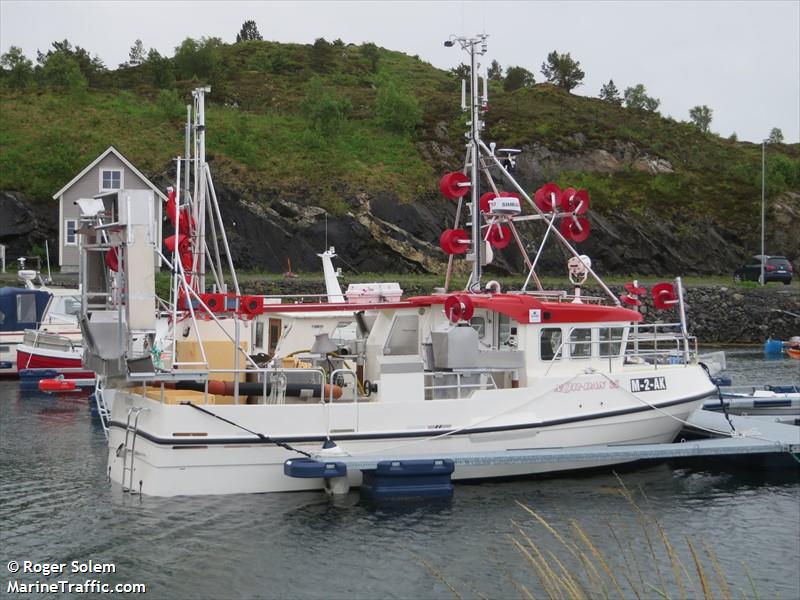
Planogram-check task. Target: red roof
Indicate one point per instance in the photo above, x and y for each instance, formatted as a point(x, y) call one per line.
point(527, 309)
point(522, 308)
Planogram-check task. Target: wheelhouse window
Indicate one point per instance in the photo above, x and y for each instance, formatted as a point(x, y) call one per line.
point(274, 334)
point(550, 344)
point(26, 308)
point(71, 232)
point(580, 343)
point(479, 325)
point(110, 179)
point(403, 337)
point(610, 341)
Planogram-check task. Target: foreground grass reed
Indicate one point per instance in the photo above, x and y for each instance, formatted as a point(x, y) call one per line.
point(635, 559)
point(584, 571)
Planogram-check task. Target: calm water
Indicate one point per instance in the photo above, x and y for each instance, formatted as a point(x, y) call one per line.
point(56, 506)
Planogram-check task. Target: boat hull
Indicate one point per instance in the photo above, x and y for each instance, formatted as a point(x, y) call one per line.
point(182, 451)
point(68, 364)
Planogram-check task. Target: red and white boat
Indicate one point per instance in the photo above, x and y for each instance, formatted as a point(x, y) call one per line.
point(52, 352)
point(243, 384)
point(48, 311)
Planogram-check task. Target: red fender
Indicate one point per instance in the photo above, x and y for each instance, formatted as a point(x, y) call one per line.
point(459, 307)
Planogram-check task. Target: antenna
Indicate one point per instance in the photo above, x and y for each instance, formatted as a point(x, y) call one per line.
point(47, 253)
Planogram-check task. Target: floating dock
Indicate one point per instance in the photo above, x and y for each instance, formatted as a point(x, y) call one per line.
point(752, 436)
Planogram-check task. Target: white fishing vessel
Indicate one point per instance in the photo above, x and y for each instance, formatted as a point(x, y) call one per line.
point(239, 384)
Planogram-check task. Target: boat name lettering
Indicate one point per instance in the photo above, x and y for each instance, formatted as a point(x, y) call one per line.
point(649, 384)
point(586, 386)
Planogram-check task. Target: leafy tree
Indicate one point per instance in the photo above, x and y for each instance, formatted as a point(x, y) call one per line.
point(562, 71)
point(610, 93)
point(495, 71)
point(198, 58)
point(88, 65)
point(701, 117)
point(397, 110)
point(20, 67)
point(249, 31)
point(371, 53)
point(461, 71)
point(62, 71)
point(326, 113)
point(137, 55)
point(733, 137)
point(159, 69)
point(516, 78)
point(321, 56)
point(636, 97)
point(775, 136)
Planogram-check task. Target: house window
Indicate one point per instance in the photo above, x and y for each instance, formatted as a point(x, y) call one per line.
point(110, 179)
point(70, 232)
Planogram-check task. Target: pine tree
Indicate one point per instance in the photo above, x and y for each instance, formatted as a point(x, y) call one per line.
point(562, 71)
point(610, 93)
point(249, 31)
point(495, 71)
point(137, 55)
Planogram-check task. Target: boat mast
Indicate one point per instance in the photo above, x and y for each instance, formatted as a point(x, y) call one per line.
point(476, 46)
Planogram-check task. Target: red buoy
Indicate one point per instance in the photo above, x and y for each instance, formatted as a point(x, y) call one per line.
point(576, 229)
point(57, 385)
point(451, 185)
point(664, 295)
point(454, 241)
point(484, 201)
point(499, 236)
point(575, 202)
point(459, 307)
point(630, 300)
point(635, 290)
point(547, 197)
point(112, 259)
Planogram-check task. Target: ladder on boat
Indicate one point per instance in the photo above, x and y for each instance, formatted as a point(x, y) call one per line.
point(129, 448)
point(100, 403)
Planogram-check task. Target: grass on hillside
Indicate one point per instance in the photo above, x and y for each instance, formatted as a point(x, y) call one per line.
point(260, 139)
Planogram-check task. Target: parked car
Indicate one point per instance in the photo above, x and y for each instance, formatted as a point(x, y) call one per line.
point(776, 268)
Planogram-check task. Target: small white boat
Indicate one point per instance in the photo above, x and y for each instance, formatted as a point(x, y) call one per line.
point(769, 400)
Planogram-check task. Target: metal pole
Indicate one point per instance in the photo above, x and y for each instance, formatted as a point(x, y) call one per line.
point(201, 211)
point(187, 152)
point(763, 208)
point(477, 241)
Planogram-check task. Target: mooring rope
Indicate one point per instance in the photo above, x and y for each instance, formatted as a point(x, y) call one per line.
point(261, 436)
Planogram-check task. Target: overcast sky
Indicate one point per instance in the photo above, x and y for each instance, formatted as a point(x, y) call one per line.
point(740, 58)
